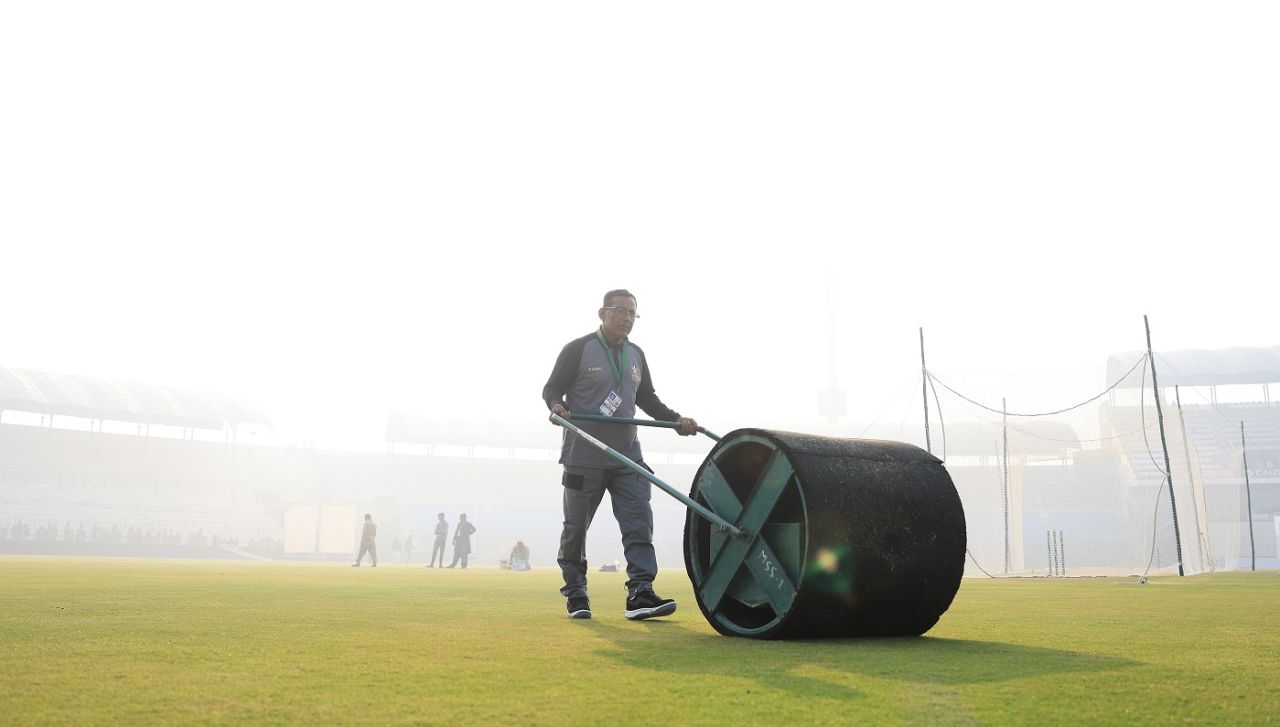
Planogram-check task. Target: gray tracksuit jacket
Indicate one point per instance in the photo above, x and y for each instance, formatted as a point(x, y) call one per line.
point(581, 380)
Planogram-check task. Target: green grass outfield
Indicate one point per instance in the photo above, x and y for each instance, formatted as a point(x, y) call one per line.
point(94, 641)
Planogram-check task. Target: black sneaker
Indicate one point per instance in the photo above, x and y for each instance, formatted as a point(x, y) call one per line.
point(647, 604)
point(579, 607)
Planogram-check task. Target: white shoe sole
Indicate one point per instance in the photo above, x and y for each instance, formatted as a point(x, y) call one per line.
point(642, 613)
point(581, 613)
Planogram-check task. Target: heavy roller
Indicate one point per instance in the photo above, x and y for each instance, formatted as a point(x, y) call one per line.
point(802, 536)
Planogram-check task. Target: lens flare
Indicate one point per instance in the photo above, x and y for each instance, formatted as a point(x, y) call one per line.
point(828, 561)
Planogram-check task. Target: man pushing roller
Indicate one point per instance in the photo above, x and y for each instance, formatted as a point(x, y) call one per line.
point(604, 373)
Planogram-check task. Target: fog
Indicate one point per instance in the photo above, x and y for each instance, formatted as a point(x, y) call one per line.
point(336, 210)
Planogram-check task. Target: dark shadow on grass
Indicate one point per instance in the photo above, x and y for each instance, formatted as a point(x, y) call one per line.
point(668, 647)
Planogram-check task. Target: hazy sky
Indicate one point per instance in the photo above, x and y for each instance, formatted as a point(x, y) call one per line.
point(336, 209)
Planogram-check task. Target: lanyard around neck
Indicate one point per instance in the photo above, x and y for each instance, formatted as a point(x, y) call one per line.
point(619, 367)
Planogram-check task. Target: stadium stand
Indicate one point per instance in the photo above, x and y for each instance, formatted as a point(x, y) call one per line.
point(1092, 477)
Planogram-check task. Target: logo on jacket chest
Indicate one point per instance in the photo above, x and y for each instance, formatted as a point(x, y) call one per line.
point(635, 373)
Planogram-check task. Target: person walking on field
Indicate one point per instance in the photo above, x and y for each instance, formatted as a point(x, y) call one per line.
point(605, 373)
point(366, 542)
point(462, 541)
point(442, 534)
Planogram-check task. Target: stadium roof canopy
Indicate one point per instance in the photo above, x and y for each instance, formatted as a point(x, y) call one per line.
point(1202, 368)
point(126, 401)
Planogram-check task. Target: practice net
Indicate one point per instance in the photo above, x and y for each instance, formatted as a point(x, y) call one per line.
point(1082, 487)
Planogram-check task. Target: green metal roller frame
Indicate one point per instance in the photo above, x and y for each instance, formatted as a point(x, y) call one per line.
point(748, 585)
point(737, 533)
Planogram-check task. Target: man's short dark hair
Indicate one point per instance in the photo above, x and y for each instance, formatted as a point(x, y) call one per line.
point(367, 516)
point(608, 297)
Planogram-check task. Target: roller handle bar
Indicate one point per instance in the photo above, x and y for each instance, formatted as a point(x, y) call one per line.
point(646, 474)
point(639, 422)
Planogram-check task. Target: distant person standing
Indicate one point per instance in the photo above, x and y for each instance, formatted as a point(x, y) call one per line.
point(366, 542)
point(442, 534)
point(462, 541)
point(408, 549)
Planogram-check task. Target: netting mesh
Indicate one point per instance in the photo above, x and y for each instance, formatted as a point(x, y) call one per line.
point(1083, 488)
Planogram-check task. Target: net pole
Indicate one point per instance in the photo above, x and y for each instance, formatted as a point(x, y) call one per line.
point(1057, 562)
point(1253, 557)
point(1062, 553)
point(1004, 406)
point(1053, 553)
point(1048, 552)
point(1164, 444)
point(924, 391)
point(1201, 536)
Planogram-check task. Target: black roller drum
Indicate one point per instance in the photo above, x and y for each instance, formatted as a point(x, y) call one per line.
point(846, 537)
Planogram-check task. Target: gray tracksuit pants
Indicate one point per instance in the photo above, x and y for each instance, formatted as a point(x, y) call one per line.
point(583, 489)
